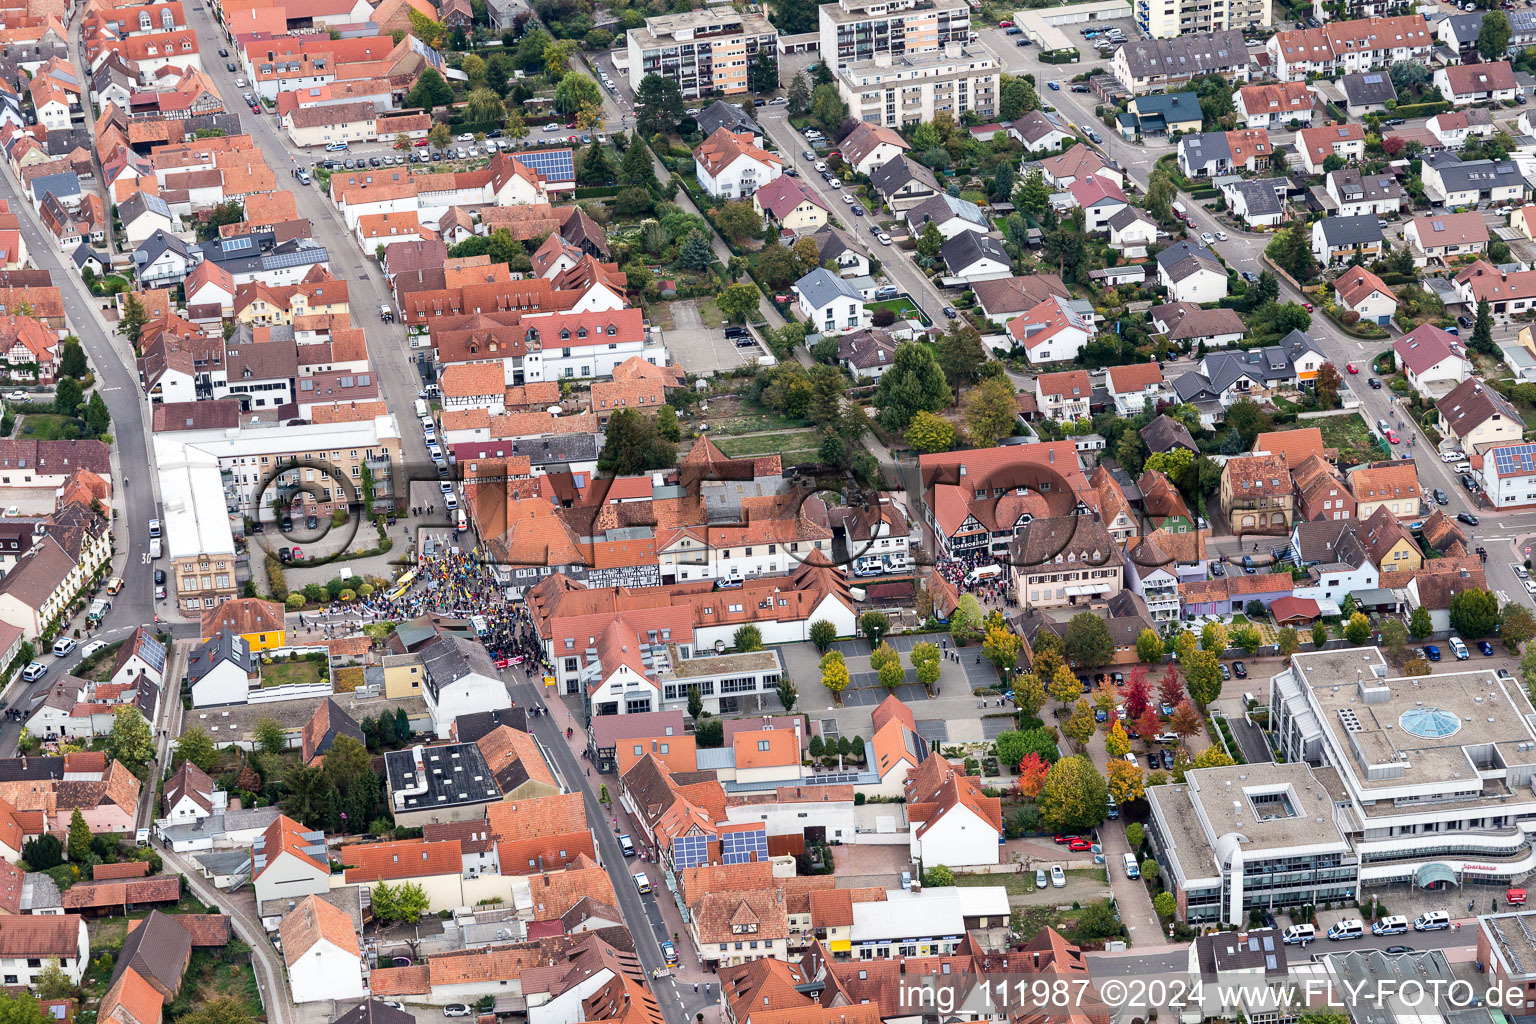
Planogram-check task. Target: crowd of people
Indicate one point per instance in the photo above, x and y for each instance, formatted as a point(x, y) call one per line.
point(993, 592)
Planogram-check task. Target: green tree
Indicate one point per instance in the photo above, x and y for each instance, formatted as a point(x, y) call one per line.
point(789, 693)
point(694, 252)
point(484, 107)
point(1032, 194)
point(925, 659)
point(887, 665)
point(636, 168)
point(43, 853)
point(53, 983)
point(67, 397)
point(399, 903)
point(834, 672)
point(79, 838)
point(930, 433)
point(937, 876)
point(1482, 330)
point(1358, 629)
point(1002, 646)
point(658, 105)
point(634, 445)
point(1493, 36)
point(695, 703)
point(218, 1010)
point(1088, 643)
point(72, 360)
point(1073, 796)
point(1016, 97)
point(195, 745)
point(961, 354)
point(575, 91)
point(270, 735)
point(1161, 193)
point(1064, 687)
point(1394, 638)
point(1287, 641)
point(930, 240)
point(1203, 677)
point(827, 107)
point(1135, 835)
point(1474, 613)
point(1028, 694)
point(991, 409)
point(738, 300)
point(1080, 724)
point(965, 622)
point(747, 638)
point(1149, 647)
point(430, 91)
point(130, 741)
point(1165, 904)
point(667, 425)
point(799, 95)
point(1419, 624)
point(1516, 626)
point(98, 420)
point(1291, 250)
point(874, 626)
point(738, 221)
point(132, 320)
point(914, 383)
point(822, 634)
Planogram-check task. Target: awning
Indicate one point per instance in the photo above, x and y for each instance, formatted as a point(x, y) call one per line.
point(1429, 874)
point(1097, 588)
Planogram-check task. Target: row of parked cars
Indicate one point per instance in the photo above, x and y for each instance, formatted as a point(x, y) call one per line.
point(1354, 928)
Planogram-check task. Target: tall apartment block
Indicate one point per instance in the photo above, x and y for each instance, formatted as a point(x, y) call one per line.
point(1165, 19)
point(706, 53)
point(898, 90)
point(860, 30)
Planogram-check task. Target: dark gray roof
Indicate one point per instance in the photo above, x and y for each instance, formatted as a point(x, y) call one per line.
point(721, 114)
point(821, 286)
point(65, 183)
point(30, 769)
point(1192, 386)
point(1166, 433)
point(1187, 55)
point(1036, 124)
point(1128, 215)
point(1184, 258)
point(1351, 230)
point(226, 646)
point(548, 451)
point(1205, 148)
point(1258, 948)
point(867, 347)
point(471, 727)
point(372, 1011)
point(156, 245)
point(83, 254)
point(455, 774)
point(831, 243)
point(450, 658)
point(1352, 186)
point(1464, 27)
point(1464, 175)
point(968, 248)
point(1261, 196)
point(140, 203)
point(892, 175)
point(1362, 88)
point(158, 949)
point(1261, 365)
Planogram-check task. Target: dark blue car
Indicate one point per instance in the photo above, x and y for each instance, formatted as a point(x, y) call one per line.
point(1486, 648)
point(1432, 652)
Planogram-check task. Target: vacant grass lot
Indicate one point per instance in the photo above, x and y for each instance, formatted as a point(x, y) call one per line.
point(903, 308)
point(287, 672)
point(1350, 435)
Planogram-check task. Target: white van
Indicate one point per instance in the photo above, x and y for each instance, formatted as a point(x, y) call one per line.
point(154, 547)
point(1349, 928)
point(983, 572)
point(1458, 648)
point(626, 844)
point(1432, 921)
point(1131, 870)
point(1397, 924)
point(1299, 935)
point(423, 410)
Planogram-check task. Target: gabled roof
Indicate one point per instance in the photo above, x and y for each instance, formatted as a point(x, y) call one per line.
point(1474, 78)
point(783, 194)
point(969, 248)
point(1427, 346)
point(1357, 284)
point(725, 147)
point(313, 921)
point(866, 137)
point(1471, 403)
point(893, 175)
point(821, 287)
point(190, 781)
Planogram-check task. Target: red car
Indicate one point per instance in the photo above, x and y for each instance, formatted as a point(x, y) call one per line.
point(1392, 437)
point(1005, 24)
point(1351, 367)
point(421, 142)
point(1080, 846)
point(1308, 306)
point(1064, 840)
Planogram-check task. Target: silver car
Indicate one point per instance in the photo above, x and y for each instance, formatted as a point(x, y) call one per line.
point(1042, 880)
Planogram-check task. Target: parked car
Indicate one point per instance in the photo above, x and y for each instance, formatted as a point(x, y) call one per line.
point(1240, 670)
point(1431, 652)
point(1062, 840)
point(1226, 673)
point(457, 1010)
point(1058, 877)
point(1440, 496)
point(1485, 648)
point(1079, 846)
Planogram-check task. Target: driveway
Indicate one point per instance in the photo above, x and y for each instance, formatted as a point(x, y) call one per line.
point(700, 347)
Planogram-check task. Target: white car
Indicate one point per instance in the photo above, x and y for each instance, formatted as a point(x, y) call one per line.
point(1221, 236)
point(91, 648)
point(34, 671)
point(12, 511)
point(551, 127)
point(467, 137)
point(239, 83)
point(1207, 237)
point(821, 165)
point(63, 645)
point(16, 396)
point(1058, 877)
point(1451, 456)
point(885, 239)
point(847, 198)
point(1520, 571)
point(835, 183)
point(1530, 587)
point(778, 101)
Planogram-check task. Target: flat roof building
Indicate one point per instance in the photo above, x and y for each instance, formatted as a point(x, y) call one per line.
point(447, 782)
point(1236, 838)
point(1431, 776)
point(705, 52)
point(858, 30)
point(895, 90)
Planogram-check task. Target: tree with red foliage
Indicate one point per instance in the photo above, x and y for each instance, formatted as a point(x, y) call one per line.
point(1185, 722)
point(1148, 724)
point(1170, 689)
point(1032, 772)
point(1137, 698)
point(1392, 145)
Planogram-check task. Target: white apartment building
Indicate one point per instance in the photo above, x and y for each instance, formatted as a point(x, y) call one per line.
point(857, 30)
point(1429, 777)
point(895, 90)
point(1166, 19)
point(704, 52)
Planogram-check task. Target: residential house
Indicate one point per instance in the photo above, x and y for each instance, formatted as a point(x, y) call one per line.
point(829, 302)
point(31, 943)
point(1275, 105)
point(1216, 153)
point(1391, 485)
point(460, 679)
point(791, 204)
point(1475, 417)
point(870, 146)
point(1507, 475)
point(1171, 114)
point(1432, 360)
point(1455, 127)
point(142, 215)
point(1052, 331)
point(949, 214)
point(733, 166)
point(1390, 545)
point(162, 260)
point(191, 794)
point(951, 820)
point(1357, 194)
point(1130, 387)
point(1040, 133)
point(1321, 492)
point(1258, 202)
point(1335, 560)
point(1464, 84)
point(1100, 199)
point(1316, 145)
point(1165, 433)
point(1433, 587)
point(1360, 44)
point(1001, 300)
point(1340, 239)
point(1091, 568)
point(1081, 161)
point(1508, 293)
point(973, 257)
point(1455, 182)
point(1064, 396)
point(1446, 236)
point(289, 861)
point(1192, 326)
point(1363, 293)
point(866, 353)
point(220, 671)
point(834, 247)
point(1367, 92)
point(1257, 494)
point(324, 727)
point(1142, 66)
point(1191, 273)
point(904, 183)
point(321, 952)
point(1132, 232)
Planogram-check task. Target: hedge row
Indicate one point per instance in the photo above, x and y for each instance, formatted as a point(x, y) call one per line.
point(598, 192)
point(1421, 109)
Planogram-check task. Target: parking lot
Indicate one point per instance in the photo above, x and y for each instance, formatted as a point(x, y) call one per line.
point(702, 347)
point(864, 682)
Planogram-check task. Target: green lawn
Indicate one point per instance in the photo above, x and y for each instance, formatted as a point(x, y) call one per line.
point(769, 444)
point(1350, 435)
point(284, 673)
point(903, 308)
point(47, 426)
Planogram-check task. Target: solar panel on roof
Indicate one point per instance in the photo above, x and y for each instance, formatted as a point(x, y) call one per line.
point(743, 847)
point(690, 851)
point(554, 164)
point(1372, 79)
